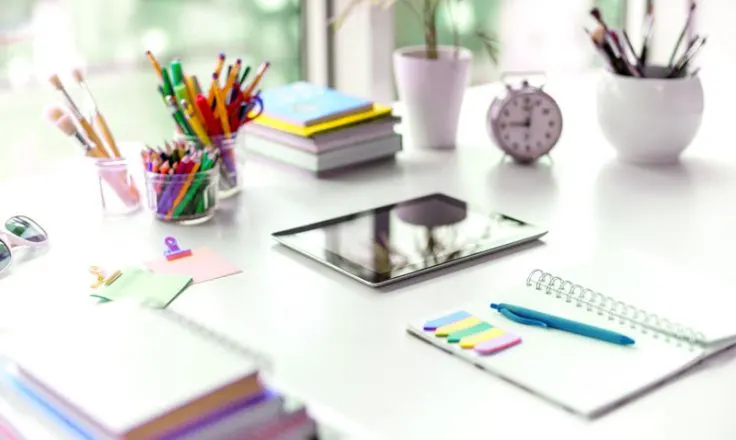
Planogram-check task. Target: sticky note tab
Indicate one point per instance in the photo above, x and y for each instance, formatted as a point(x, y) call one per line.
point(445, 320)
point(477, 338)
point(457, 326)
point(457, 336)
point(497, 344)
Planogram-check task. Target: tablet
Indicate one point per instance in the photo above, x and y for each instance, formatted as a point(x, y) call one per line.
point(394, 242)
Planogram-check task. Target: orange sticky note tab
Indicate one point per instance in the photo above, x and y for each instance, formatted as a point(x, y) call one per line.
point(457, 326)
point(470, 341)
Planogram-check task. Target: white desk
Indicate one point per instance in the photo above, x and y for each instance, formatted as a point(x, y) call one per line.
point(343, 345)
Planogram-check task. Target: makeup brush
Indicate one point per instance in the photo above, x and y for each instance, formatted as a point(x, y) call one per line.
point(607, 33)
point(688, 21)
point(77, 114)
point(61, 120)
point(624, 56)
point(647, 34)
point(98, 118)
point(599, 38)
point(681, 65)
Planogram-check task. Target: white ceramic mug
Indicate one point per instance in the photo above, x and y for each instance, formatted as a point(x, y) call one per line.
point(649, 120)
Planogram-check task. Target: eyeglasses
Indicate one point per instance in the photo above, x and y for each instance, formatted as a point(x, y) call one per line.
point(19, 230)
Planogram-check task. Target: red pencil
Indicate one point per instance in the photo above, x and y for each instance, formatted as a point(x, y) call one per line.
point(211, 125)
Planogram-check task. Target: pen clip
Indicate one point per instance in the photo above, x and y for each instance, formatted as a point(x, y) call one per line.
point(520, 319)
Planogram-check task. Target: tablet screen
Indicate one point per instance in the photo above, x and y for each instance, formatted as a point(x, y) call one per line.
point(396, 240)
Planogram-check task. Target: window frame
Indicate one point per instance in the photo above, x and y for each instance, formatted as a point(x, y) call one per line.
point(358, 57)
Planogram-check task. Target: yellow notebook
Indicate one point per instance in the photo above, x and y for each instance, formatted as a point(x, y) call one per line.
point(377, 112)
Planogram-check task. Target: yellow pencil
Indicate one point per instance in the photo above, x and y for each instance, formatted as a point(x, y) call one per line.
point(221, 110)
point(195, 123)
point(218, 71)
point(259, 75)
point(192, 95)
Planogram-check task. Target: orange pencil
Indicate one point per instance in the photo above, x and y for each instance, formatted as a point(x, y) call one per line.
point(154, 63)
point(234, 72)
point(218, 71)
point(221, 110)
point(183, 190)
point(261, 71)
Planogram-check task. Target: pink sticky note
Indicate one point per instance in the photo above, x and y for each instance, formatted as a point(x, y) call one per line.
point(497, 344)
point(203, 265)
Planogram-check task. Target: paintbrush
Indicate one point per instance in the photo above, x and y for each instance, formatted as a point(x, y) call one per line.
point(61, 120)
point(99, 120)
point(77, 114)
point(689, 19)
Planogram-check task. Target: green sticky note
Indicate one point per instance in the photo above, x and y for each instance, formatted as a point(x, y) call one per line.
point(158, 290)
point(457, 336)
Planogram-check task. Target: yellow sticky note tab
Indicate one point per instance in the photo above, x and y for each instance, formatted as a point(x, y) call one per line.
point(470, 341)
point(457, 326)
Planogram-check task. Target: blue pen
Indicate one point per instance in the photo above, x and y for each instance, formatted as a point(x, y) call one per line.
point(532, 317)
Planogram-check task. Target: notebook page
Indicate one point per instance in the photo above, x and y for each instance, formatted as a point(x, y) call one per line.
point(680, 295)
point(582, 374)
point(122, 365)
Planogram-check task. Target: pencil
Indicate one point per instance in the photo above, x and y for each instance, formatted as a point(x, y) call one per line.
point(221, 110)
point(154, 63)
point(259, 75)
point(218, 71)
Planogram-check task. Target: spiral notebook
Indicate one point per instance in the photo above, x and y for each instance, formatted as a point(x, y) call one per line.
point(120, 370)
point(677, 321)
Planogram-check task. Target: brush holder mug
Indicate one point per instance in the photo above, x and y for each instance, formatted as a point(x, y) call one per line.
point(119, 194)
point(649, 120)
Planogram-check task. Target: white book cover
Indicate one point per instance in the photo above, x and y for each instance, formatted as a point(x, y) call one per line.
point(118, 366)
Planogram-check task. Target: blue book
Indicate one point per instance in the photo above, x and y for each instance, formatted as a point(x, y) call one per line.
point(305, 104)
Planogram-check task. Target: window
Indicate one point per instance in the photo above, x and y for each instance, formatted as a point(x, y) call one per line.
point(533, 34)
point(108, 38)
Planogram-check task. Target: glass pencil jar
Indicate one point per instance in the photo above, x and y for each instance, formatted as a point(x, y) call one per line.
point(187, 199)
point(229, 160)
point(119, 194)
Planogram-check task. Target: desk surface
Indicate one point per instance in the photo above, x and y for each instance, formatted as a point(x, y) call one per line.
point(343, 346)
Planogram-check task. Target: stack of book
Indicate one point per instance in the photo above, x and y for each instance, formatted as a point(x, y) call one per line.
point(321, 130)
point(128, 372)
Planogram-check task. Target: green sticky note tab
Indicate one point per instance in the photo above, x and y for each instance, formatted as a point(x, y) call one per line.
point(158, 290)
point(457, 336)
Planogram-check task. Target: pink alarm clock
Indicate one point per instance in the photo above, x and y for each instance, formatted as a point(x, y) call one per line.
point(526, 123)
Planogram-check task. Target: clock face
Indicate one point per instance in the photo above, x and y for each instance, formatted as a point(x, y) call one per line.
point(529, 125)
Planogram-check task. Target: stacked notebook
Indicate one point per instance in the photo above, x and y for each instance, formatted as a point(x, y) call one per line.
point(676, 319)
point(321, 130)
point(123, 371)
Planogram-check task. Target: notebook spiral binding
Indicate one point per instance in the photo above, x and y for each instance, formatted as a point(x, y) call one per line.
point(615, 310)
point(228, 343)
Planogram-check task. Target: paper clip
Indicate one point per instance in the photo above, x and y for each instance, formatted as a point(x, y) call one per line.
point(112, 278)
point(99, 275)
point(173, 252)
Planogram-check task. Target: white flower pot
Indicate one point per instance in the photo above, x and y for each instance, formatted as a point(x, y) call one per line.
point(649, 120)
point(431, 92)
